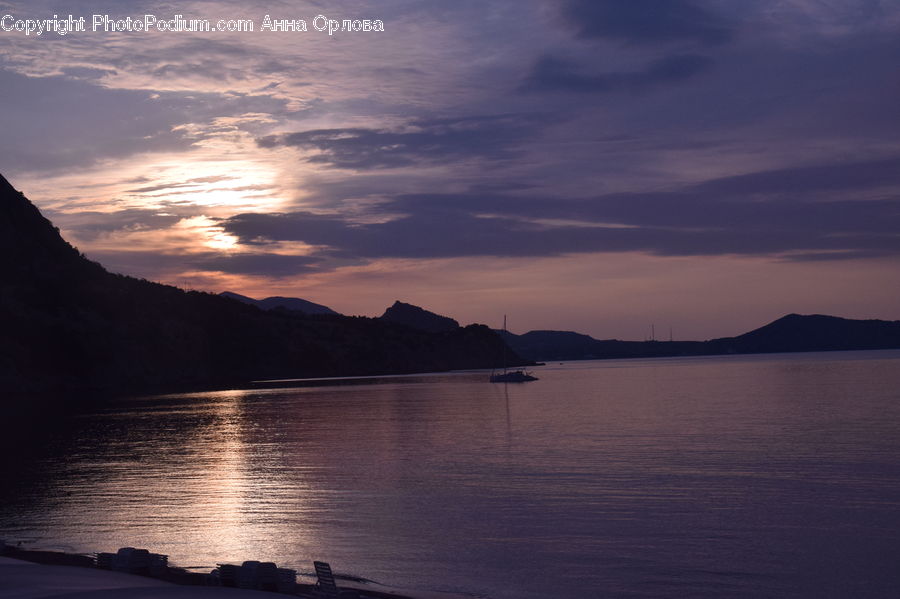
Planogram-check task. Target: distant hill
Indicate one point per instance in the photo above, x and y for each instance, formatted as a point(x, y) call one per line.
point(816, 332)
point(287, 303)
point(418, 318)
point(68, 324)
point(791, 333)
point(552, 345)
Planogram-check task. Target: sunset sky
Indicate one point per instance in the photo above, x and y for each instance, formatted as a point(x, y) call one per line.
point(589, 165)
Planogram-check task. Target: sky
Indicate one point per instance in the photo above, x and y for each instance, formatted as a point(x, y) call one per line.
point(699, 166)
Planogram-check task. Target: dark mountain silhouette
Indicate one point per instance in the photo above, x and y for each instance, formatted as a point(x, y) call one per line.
point(791, 333)
point(552, 345)
point(795, 332)
point(418, 318)
point(66, 323)
point(287, 303)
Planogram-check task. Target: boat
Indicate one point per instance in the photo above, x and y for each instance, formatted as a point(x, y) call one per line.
point(510, 376)
point(513, 376)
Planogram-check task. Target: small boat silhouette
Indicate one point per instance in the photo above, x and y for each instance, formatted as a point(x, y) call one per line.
point(510, 376)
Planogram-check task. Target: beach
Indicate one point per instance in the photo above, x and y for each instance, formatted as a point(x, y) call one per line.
point(28, 580)
point(25, 579)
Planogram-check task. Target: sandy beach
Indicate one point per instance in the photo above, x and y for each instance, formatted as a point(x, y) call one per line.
point(26, 580)
point(21, 579)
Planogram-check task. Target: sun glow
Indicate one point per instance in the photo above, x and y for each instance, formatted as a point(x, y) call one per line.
point(222, 186)
point(210, 231)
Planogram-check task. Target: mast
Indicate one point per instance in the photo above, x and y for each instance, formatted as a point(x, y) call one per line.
point(504, 344)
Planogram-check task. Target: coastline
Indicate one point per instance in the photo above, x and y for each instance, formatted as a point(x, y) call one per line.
point(33, 574)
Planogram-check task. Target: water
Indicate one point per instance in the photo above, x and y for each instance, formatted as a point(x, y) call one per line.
point(760, 476)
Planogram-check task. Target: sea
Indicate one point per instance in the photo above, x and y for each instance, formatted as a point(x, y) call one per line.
point(733, 476)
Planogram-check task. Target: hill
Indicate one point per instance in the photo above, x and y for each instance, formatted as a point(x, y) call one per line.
point(418, 318)
point(277, 302)
point(68, 324)
point(791, 333)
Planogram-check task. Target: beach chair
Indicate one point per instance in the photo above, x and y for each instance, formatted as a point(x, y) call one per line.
point(287, 581)
point(248, 575)
point(326, 587)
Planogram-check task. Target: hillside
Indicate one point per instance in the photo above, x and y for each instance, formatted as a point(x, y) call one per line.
point(66, 323)
point(418, 318)
point(791, 333)
point(277, 302)
point(795, 332)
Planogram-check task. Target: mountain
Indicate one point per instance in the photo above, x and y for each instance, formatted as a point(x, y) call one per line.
point(796, 333)
point(287, 303)
point(68, 324)
point(418, 318)
point(31, 248)
point(552, 345)
point(791, 333)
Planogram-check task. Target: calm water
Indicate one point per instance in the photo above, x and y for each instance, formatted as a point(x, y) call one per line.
point(766, 476)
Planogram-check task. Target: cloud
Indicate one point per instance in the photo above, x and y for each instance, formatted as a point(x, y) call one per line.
point(457, 234)
point(156, 265)
point(261, 264)
point(190, 183)
point(859, 175)
point(647, 21)
point(259, 228)
point(551, 74)
point(424, 141)
point(196, 58)
point(59, 122)
point(776, 213)
point(90, 73)
point(89, 225)
point(635, 95)
point(833, 202)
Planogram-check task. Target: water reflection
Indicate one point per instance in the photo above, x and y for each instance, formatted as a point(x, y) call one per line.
point(657, 478)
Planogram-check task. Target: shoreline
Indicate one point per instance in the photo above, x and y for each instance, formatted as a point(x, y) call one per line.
point(34, 573)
